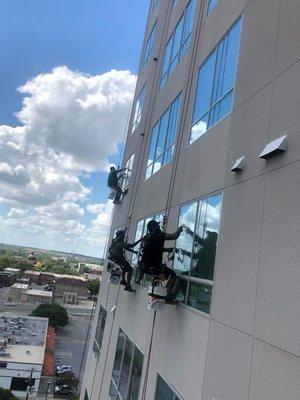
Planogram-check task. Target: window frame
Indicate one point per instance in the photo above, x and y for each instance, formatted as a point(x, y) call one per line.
point(137, 116)
point(176, 395)
point(183, 46)
point(147, 54)
point(166, 147)
point(153, 6)
point(188, 278)
point(126, 179)
point(97, 343)
point(112, 382)
point(209, 8)
point(215, 79)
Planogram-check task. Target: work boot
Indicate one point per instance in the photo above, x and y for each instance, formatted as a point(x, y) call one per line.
point(123, 282)
point(128, 288)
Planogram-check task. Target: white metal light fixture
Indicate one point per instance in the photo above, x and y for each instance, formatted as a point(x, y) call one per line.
point(275, 147)
point(239, 165)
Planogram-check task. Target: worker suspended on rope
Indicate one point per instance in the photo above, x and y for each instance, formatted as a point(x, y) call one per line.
point(113, 183)
point(152, 256)
point(117, 255)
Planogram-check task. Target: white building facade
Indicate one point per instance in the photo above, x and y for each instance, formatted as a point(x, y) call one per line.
point(214, 143)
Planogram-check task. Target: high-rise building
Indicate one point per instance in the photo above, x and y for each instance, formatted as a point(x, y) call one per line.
point(213, 143)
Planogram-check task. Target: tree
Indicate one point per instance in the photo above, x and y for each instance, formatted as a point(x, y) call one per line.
point(6, 394)
point(56, 313)
point(5, 261)
point(94, 287)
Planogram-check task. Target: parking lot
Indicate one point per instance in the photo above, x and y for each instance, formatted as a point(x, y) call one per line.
point(72, 340)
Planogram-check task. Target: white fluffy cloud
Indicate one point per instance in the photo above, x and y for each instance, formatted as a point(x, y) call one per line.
point(69, 124)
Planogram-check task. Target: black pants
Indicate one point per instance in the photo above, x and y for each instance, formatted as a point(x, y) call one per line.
point(124, 264)
point(118, 190)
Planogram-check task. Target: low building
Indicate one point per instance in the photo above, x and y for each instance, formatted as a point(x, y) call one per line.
point(7, 278)
point(23, 293)
point(22, 352)
point(33, 276)
point(17, 291)
point(38, 296)
point(61, 283)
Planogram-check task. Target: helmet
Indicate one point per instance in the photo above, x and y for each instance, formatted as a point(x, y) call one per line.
point(153, 225)
point(120, 233)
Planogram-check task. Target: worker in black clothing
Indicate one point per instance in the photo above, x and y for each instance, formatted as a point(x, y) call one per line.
point(152, 255)
point(113, 183)
point(116, 254)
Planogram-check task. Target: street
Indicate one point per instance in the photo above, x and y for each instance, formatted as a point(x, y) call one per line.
point(71, 341)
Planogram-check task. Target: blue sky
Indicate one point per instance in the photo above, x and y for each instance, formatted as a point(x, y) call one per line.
point(87, 37)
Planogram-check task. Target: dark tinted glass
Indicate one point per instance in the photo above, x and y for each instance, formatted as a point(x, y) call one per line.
point(200, 296)
point(163, 392)
point(136, 372)
point(125, 370)
point(118, 357)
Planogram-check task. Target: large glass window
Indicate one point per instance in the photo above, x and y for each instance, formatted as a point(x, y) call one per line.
point(178, 42)
point(99, 330)
point(139, 104)
point(197, 246)
point(128, 172)
point(211, 5)
point(164, 391)
point(127, 370)
point(163, 139)
point(215, 86)
point(149, 46)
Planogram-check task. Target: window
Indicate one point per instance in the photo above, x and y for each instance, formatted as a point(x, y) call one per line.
point(139, 104)
point(195, 261)
point(178, 42)
point(163, 391)
point(153, 6)
point(127, 177)
point(211, 5)
point(127, 370)
point(20, 384)
point(99, 330)
point(216, 80)
point(163, 139)
point(149, 46)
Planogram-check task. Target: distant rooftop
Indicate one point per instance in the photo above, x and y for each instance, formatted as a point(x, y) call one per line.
point(25, 338)
point(22, 286)
point(39, 292)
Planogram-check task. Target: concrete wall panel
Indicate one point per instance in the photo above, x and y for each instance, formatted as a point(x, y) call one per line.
point(275, 374)
point(238, 255)
point(258, 46)
point(277, 313)
point(228, 364)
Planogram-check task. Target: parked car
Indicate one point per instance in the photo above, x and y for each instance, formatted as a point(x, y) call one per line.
point(64, 389)
point(10, 303)
point(63, 368)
